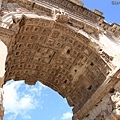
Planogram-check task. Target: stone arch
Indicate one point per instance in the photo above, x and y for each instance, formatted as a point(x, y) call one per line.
point(57, 55)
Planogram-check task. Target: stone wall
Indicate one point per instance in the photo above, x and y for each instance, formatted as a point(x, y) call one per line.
point(108, 108)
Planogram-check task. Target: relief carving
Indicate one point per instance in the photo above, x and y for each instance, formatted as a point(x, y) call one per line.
point(108, 108)
point(115, 98)
point(61, 16)
point(16, 24)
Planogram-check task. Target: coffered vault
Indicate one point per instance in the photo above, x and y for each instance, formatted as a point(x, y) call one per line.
point(66, 47)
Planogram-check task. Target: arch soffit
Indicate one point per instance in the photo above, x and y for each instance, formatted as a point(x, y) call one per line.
point(55, 54)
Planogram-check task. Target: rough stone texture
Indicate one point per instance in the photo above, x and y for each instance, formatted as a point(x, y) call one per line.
point(65, 46)
point(108, 108)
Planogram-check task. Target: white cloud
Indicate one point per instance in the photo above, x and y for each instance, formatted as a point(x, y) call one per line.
point(19, 99)
point(67, 116)
point(53, 118)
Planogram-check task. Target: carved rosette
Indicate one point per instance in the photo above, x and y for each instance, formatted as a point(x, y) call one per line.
point(61, 16)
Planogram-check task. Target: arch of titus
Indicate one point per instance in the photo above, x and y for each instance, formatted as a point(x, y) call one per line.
point(67, 47)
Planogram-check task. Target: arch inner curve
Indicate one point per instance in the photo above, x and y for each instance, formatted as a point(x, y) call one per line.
point(58, 56)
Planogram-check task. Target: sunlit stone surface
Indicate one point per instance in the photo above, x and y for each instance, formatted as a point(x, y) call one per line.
point(66, 47)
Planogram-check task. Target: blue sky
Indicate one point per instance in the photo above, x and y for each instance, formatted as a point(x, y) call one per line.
point(23, 102)
point(110, 11)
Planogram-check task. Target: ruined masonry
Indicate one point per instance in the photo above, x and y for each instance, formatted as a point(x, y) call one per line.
point(67, 47)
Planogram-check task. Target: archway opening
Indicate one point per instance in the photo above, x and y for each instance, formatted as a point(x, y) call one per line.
point(34, 102)
point(58, 56)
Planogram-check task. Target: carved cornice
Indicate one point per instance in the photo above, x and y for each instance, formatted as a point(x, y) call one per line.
point(77, 13)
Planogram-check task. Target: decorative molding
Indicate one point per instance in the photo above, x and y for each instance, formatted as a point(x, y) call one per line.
point(6, 35)
point(57, 42)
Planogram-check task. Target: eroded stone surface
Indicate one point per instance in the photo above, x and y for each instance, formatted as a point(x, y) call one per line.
point(108, 108)
point(64, 50)
point(57, 56)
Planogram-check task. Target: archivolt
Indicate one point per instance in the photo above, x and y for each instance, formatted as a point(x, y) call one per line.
point(56, 55)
